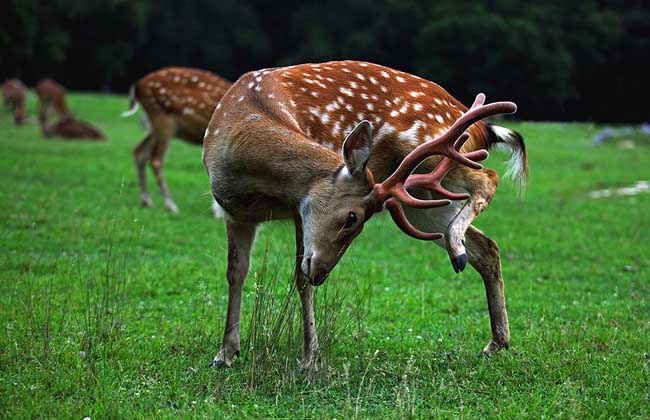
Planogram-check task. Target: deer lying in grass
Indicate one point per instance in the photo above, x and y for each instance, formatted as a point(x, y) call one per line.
point(178, 102)
point(331, 144)
point(14, 93)
point(51, 98)
point(71, 128)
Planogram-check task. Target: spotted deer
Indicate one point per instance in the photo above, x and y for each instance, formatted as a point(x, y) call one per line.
point(52, 100)
point(14, 93)
point(73, 129)
point(178, 102)
point(329, 145)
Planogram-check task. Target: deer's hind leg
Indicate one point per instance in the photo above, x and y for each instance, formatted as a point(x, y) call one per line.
point(484, 257)
point(162, 129)
point(142, 155)
point(481, 186)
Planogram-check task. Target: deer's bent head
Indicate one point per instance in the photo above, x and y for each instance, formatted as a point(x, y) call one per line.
point(335, 210)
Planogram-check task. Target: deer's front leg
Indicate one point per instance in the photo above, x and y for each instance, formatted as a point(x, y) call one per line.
point(240, 241)
point(310, 349)
point(481, 185)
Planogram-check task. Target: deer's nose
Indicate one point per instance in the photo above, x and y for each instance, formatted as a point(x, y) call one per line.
point(306, 266)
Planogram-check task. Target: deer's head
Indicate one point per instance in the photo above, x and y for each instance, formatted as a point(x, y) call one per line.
point(335, 210)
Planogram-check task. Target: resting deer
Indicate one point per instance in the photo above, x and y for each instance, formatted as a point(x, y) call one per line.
point(72, 128)
point(331, 144)
point(51, 98)
point(14, 93)
point(178, 102)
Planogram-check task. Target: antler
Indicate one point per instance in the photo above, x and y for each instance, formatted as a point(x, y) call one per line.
point(394, 189)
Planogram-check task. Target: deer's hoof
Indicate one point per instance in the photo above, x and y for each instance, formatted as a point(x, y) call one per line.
point(171, 206)
point(459, 263)
point(220, 363)
point(146, 202)
point(492, 348)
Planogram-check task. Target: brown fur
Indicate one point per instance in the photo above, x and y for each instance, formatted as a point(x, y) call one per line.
point(52, 100)
point(72, 129)
point(274, 149)
point(178, 102)
point(14, 93)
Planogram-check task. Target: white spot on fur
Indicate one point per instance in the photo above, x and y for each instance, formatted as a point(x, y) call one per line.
point(385, 74)
point(346, 91)
point(440, 119)
point(417, 107)
point(370, 106)
point(411, 135)
point(325, 118)
point(333, 106)
point(394, 113)
point(400, 79)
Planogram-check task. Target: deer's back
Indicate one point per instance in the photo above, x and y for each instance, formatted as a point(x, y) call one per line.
point(185, 96)
point(321, 103)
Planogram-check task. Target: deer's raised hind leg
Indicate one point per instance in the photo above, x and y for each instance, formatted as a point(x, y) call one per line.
point(142, 154)
point(484, 257)
point(481, 185)
point(240, 241)
point(310, 349)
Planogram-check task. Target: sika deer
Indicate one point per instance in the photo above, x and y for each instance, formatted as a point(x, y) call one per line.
point(331, 144)
point(73, 129)
point(14, 93)
point(51, 96)
point(178, 102)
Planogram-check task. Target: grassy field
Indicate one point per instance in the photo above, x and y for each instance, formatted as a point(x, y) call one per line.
point(113, 311)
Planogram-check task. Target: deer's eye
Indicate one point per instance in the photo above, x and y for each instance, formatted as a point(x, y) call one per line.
point(350, 220)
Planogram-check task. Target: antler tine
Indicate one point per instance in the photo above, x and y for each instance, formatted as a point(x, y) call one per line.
point(448, 144)
point(397, 213)
point(444, 146)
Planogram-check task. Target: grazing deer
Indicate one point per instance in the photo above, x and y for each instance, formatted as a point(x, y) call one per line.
point(51, 98)
point(71, 128)
point(178, 102)
point(331, 144)
point(14, 93)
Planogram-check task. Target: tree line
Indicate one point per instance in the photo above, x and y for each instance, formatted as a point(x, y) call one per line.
point(558, 59)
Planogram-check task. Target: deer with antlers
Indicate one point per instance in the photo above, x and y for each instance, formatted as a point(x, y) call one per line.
point(178, 102)
point(329, 145)
point(52, 100)
point(14, 93)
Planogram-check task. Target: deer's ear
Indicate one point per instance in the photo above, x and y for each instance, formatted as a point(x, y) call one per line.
point(357, 147)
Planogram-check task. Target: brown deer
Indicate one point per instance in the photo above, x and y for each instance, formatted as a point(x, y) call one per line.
point(14, 93)
point(51, 98)
point(331, 144)
point(71, 128)
point(178, 102)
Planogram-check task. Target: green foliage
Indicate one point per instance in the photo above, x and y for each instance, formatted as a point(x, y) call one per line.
point(558, 59)
point(108, 310)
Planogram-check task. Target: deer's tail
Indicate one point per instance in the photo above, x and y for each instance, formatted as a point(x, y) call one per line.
point(512, 142)
point(133, 103)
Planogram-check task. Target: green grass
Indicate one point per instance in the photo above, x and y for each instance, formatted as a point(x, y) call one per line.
point(113, 311)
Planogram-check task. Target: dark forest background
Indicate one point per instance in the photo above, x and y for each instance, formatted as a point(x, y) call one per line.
point(558, 59)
